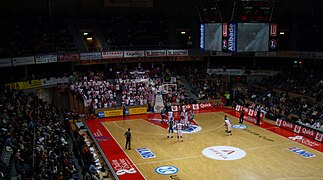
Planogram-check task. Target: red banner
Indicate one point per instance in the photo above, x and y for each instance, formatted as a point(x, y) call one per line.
point(68, 57)
point(250, 112)
point(199, 106)
point(305, 131)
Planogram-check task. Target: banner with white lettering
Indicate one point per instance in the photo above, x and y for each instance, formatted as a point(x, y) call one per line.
point(40, 59)
point(128, 54)
point(6, 62)
point(68, 57)
point(89, 56)
point(220, 71)
point(18, 61)
point(155, 53)
point(112, 54)
point(229, 37)
point(177, 52)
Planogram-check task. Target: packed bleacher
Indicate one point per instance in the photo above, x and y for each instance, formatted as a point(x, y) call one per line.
point(35, 137)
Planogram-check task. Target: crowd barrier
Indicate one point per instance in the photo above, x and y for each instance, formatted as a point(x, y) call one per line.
point(299, 129)
point(199, 106)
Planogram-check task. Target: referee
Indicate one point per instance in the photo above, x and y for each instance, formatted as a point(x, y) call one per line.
point(128, 138)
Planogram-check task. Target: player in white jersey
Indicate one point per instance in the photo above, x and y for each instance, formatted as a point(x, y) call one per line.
point(185, 120)
point(227, 124)
point(170, 114)
point(179, 128)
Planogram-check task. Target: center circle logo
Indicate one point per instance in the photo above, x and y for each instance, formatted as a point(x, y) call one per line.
point(224, 153)
point(190, 129)
point(240, 126)
point(166, 170)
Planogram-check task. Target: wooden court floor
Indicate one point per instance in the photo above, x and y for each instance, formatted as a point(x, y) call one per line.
point(267, 155)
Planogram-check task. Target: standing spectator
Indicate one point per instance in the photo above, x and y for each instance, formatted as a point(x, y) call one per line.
point(128, 138)
point(258, 117)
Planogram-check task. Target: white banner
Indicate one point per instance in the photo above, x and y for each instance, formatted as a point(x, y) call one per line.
point(236, 72)
point(6, 62)
point(88, 56)
point(177, 52)
point(155, 53)
point(40, 59)
point(134, 53)
point(18, 61)
point(112, 54)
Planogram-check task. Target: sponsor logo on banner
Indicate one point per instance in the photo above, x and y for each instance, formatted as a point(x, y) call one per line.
point(18, 61)
point(195, 107)
point(134, 53)
point(202, 36)
point(145, 153)
point(297, 129)
point(272, 44)
point(188, 106)
point(224, 153)
point(240, 126)
point(278, 122)
point(40, 59)
point(123, 166)
point(232, 37)
point(101, 114)
point(206, 105)
point(177, 52)
point(308, 132)
point(155, 53)
point(112, 113)
point(304, 141)
point(89, 56)
point(301, 152)
point(288, 125)
point(99, 136)
point(140, 110)
point(6, 62)
point(166, 170)
point(319, 137)
point(68, 57)
point(174, 108)
point(112, 54)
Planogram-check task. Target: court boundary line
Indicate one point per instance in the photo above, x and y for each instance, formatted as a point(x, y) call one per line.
point(121, 148)
point(300, 177)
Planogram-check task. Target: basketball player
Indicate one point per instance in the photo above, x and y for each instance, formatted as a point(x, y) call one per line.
point(163, 115)
point(170, 126)
point(179, 127)
point(241, 116)
point(185, 120)
point(227, 124)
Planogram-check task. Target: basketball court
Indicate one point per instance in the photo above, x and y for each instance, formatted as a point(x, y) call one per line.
point(251, 152)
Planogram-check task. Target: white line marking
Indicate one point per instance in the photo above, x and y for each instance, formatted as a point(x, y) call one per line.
point(307, 177)
point(260, 147)
point(122, 149)
point(175, 159)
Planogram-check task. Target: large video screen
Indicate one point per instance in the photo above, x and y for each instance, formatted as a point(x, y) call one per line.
point(213, 36)
point(252, 37)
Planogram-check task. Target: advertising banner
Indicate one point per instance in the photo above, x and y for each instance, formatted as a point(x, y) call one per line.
point(112, 54)
point(288, 54)
point(113, 113)
point(140, 110)
point(24, 85)
point(155, 53)
point(229, 37)
point(202, 36)
point(250, 112)
point(134, 54)
point(89, 56)
point(177, 52)
point(68, 57)
point(40, 59)
point(6, 62)
point(18, 61)
point(305, 131)
point(220, 71)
